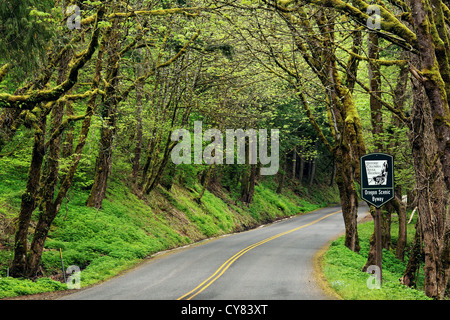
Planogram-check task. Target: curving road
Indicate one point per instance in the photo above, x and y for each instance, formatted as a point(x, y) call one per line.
point(274, 262)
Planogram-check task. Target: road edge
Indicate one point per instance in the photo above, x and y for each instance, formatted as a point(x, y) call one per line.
point(319, 275)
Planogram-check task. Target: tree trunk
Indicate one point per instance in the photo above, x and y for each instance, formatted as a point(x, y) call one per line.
point(245, 178)
point(251, 188)
point(397, 202)
point(50, 203)
point(431, 192)
point(159, 166)
point(104, 160)
point(347, 153)
point(333, 173)
point(294, 162)
point(349, 200)
point(48, 186)
point(430, 48)
point(67, 148)
point(301, 169)
point(109, 113)
point(204, 181)
point(40, 235)
point(345, 123)
point(50, 179)
point(282, 175)
point(313, 172)
point(416, 255)
point(19, 265)
point(386, 218)
point(138, 148)
point(400, 208)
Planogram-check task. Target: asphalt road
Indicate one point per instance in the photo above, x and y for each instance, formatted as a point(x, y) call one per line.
point(273, 262)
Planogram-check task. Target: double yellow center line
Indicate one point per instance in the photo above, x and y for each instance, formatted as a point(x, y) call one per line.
point(216, 275)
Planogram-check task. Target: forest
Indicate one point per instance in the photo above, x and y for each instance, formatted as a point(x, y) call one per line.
point(93, 92)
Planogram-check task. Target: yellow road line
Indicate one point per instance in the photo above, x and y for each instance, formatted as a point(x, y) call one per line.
point(219, 272)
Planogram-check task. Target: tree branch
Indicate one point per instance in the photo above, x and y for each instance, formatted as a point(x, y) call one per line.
point(30, 100)
point(158, 12)
point(389, 22)
point(151, 72)
point(314, 122)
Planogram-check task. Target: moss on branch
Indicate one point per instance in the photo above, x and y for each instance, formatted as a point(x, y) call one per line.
point(157, 12)
point(358, 11)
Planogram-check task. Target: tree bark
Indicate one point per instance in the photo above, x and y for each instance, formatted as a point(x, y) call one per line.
point(29, 202)
point(400, 208)
point(294, 162)
point(48, 208)
point(301, 169)
point(138, 147)
point(313, 173)
point(386, 218)
point(282, 176)
point(416, 255)
point(397, 203)
point(430, 193)
point(109, 113)
point(429, 46)
point(48, 185)
point(245, 179)
point(333, 173)
point(204, 181)
point(251, 189)
point(349, 200)
point(51, 203)
point(67, 148)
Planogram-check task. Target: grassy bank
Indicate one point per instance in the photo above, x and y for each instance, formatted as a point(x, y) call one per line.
point(128, 229)
point(342, 269)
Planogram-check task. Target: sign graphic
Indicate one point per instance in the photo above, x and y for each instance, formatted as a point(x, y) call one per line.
point(377, 178)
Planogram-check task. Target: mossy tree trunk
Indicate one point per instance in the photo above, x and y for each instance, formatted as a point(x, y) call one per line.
point(345, 178)
point(40, 189)
point(410, 275)
point(430, 193)
point(432, 154)
point(54, 188)
point(50, 179)
point(139, 128)
point(29, 203)
point(108, 112)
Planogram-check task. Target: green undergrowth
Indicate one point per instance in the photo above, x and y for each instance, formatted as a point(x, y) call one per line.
point(342, 268)
point(128, 229)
